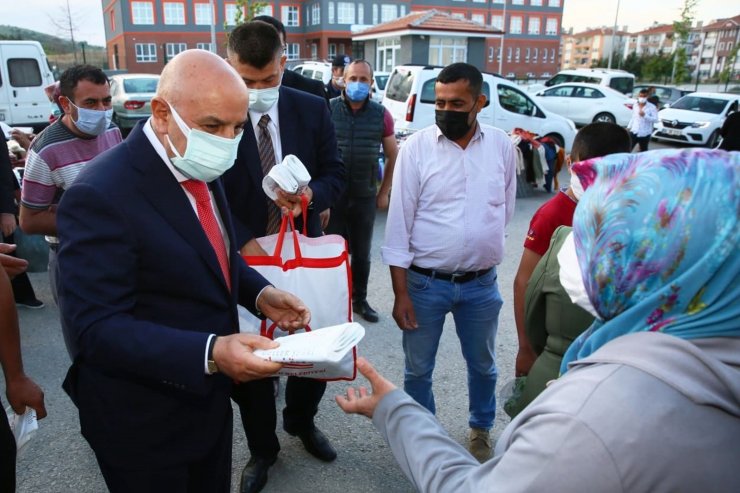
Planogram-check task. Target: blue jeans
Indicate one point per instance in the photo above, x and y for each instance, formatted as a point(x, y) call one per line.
point(475, 306)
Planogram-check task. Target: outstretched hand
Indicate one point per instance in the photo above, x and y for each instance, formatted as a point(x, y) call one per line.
point(360, 402)
point(283, 308)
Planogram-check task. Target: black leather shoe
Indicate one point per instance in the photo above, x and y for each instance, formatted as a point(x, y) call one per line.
point(364, 309)
point(254, 475)
point(316, 444)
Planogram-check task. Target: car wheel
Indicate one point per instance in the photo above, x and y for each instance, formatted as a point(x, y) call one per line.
point(713, 139)
point(557, 138)
point(604, 117)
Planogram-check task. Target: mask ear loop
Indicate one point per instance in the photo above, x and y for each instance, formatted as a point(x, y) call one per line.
point(183, 128)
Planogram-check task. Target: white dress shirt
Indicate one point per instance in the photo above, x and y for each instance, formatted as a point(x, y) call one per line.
point(450, 205)
point(642, 126)
point(273, 127)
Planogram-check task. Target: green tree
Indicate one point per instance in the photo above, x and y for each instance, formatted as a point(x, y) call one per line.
point(250, 7)
point(634, 64)
point(681, 29)
point(657, 67)
point(729, 69)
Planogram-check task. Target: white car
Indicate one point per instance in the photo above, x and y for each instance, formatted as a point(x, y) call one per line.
point(619, 80)
point(380, 79)
point(315, 70)
point(696, 118)
point(409, 97)
point(587, 103)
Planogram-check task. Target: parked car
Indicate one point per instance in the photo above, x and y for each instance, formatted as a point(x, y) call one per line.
point(315, 70)
point(696, 118)
point(131, 98)
point(380, 79)
point(619, 80)
point(409, 97)
point(666, 94)
point(24, 73)
point(587, 103)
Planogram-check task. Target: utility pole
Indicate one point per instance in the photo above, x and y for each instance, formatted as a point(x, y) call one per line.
point(614, 35)
point(501, 47)
point(213, 28)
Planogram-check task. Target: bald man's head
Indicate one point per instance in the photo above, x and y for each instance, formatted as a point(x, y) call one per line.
point(205, 91)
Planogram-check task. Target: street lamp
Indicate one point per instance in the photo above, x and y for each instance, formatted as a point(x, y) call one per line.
point(213, 28)
point(501, 47)
point(614, 34)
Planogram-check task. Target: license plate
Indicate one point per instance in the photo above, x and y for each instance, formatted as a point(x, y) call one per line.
point(673, 131)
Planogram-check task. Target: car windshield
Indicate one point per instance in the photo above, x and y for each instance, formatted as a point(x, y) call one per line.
point(140, 85)
point(380, 81)
point(703, 105)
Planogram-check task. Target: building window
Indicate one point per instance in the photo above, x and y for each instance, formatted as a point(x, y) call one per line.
point(173, 49)
point(552, 55)
point(402, 10)
point(537, 3)
point(553, 3)
point(517, 2)
point(230, 10)
point(146, 52)
point(112, 18)
point(479, 18)
point(375, 13)
point(290, 16)
point(264, 10)
point(446, 50)
point(345, 13)
point(174, 13)
point(205, 46)
point(497, 22)
point(534, 25)
point(508, 55)
point(388, 12)
point(315, 14)
point(202, 13)
point(361, 13)
point(142, 12)
point(517, 56)
point(330, 13)
point(314, 51)
point(515, 25)
point(388, 51)
point(536, 54)
point(552, 27)
point(294, 51)
point(544, 55)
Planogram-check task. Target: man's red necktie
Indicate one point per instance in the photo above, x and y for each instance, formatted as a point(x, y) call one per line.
point(199, 190)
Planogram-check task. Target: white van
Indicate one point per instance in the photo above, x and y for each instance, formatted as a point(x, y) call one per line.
point(24, 73)
point(409, 97)
point(315, 70)
point(619, 80)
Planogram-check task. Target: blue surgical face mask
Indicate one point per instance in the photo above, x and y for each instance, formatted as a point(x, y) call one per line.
point(206, 156)
point(92, 122)
point(357, 91)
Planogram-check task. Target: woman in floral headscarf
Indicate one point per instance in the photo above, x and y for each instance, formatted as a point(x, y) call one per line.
point(650, 397)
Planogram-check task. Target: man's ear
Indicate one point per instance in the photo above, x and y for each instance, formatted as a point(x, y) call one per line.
point(160, 114)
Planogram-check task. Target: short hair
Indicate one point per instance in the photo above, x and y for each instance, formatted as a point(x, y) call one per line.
point(274, 23)
point(462, 71)
point(730, 133)
point(256, 43)
point(362, 60)
point(341, 61)
point(600, 139)
point(644, 91)
point(73, 75)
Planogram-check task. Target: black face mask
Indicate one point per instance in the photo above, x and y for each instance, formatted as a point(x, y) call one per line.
point(453, 124)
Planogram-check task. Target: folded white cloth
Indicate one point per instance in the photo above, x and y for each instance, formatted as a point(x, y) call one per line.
point(291, 176)
point(327, 345)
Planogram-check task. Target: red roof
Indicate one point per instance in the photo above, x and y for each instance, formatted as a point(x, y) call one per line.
point(720, 24)
point(607, 31)
point(661, 28)
point(429, 20)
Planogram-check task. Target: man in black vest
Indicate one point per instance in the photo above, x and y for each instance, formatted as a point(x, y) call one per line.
point(362, 126)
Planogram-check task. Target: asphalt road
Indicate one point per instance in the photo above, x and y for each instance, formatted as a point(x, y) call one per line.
point(58, 459)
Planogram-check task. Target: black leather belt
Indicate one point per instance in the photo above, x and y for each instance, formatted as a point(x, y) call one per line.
point(459, 277)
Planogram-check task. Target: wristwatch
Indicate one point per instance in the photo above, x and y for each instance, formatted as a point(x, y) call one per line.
point(211, 363)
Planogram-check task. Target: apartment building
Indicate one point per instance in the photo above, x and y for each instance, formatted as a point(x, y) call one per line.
point(582, 50)
point(658, 38)
point(141, 35)
point(715, 46)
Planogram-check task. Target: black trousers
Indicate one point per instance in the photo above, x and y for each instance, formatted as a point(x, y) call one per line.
point(212, 474)
point(354, 218)
point(643, 141)
point(7, 454)
point(22, 288)
point(256, 400)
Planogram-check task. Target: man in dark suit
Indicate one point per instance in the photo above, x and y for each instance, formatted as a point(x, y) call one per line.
point(282, 121)
point(150, 279)
point(291, 78)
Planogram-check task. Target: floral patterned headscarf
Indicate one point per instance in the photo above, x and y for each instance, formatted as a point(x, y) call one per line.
point(656, 234)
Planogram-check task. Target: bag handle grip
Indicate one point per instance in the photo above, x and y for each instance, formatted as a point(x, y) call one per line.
point(289, 219)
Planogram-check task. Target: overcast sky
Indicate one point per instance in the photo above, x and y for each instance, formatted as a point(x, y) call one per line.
point(579, 14)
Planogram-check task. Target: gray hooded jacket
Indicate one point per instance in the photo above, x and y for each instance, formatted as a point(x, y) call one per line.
point(647, 412)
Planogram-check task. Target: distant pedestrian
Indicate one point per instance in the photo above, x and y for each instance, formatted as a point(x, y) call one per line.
point(644, 116)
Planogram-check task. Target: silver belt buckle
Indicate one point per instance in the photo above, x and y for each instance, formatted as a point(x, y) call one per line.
point(456, 275)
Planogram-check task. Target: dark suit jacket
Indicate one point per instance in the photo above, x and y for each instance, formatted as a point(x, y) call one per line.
point(303, 83)
point(140, 291)
point(306, 131)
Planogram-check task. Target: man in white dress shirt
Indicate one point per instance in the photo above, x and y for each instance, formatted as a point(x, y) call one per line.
point(644, 116)
point(453, 194)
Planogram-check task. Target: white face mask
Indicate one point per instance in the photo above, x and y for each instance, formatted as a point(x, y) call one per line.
point(261, 100)
point(642, 100)
point(206, 156)
point(575, 186)
point(92, 122)
point(570, 276)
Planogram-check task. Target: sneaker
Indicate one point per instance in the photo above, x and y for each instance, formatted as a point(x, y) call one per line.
point(479, 444)
point(33, 304)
